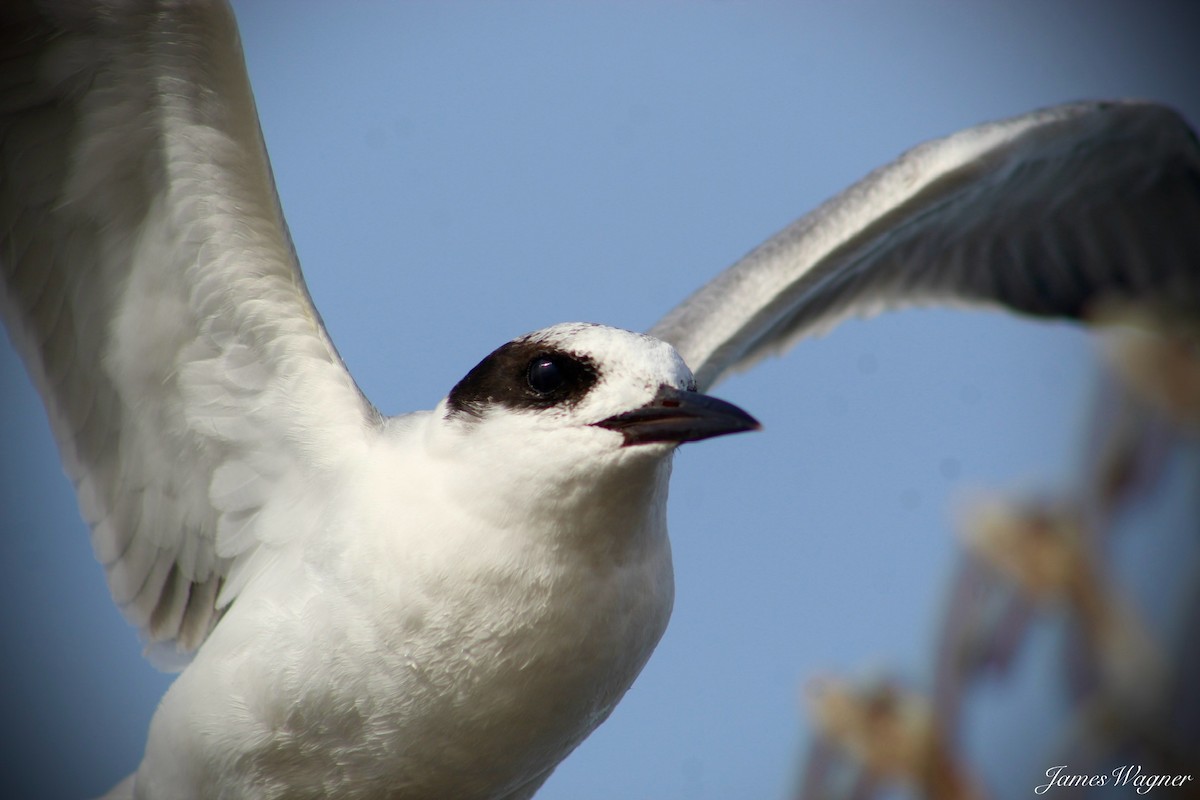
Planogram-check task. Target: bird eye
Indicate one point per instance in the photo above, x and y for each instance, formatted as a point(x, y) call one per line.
point(545, 375)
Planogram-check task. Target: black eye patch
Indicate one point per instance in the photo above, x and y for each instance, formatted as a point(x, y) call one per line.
point(524, 375)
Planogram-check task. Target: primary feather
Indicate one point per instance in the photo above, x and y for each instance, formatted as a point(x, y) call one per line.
point(1050, 213)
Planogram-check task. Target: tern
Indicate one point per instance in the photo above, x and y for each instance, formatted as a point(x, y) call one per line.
point(445, 603)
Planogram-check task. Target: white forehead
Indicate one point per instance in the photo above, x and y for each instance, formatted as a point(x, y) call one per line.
point(632, 366)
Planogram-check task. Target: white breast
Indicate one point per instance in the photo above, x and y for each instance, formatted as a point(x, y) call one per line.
point(437, 647)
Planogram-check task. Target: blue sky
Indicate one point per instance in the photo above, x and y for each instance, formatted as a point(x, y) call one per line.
point(457, 174)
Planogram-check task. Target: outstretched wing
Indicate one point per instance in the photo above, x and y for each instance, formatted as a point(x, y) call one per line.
point(150, 285)
point(1048, 213)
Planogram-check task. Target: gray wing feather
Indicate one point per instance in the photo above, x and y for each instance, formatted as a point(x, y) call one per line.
point(1046, 214)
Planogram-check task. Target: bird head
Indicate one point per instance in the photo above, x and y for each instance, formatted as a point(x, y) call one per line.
point(602, 393)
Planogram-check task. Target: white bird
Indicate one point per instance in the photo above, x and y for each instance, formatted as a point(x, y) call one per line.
point(444, 603)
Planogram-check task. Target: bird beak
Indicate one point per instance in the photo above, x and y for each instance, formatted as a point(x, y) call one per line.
point(675, 415)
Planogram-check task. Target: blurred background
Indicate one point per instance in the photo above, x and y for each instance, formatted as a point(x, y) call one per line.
point(455, 175)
